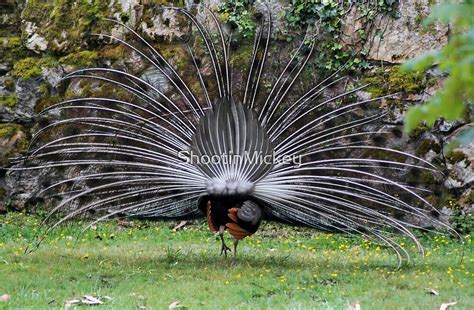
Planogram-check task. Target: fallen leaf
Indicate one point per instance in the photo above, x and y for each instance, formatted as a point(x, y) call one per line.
point(123, 223)
point(175, 305)
point(91, 300)
point(354, 307)
point(71, 302)
point(180, 225)
point(5, 297)
point(445, 306)
point(432, 291)
point(127, 224)
point(413, 97)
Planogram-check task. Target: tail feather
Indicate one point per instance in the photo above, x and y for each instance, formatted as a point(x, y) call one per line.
point(232, 135)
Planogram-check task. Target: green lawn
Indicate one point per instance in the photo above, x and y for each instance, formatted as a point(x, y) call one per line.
point(149, 266)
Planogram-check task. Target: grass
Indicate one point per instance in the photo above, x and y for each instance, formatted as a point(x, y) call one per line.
point(148, 265)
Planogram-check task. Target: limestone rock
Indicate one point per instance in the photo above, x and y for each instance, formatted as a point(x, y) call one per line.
point(165, 25)
point(397, 40)
point(22, 187)
point(12, 139)
point(27, 94)
point(128, 7)
point(467, 200)
point(4, 67)
point(462, 171)
point(52, 75)
point(36, 43)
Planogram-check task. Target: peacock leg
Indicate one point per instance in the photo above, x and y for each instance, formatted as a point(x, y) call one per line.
point(224, 247)
point(234, 259)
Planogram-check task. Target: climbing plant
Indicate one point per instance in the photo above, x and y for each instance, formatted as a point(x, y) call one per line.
point(238, 14)
point(457, 60)
point(328, 17)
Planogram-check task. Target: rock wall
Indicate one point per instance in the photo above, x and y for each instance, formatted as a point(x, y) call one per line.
point(41, 41)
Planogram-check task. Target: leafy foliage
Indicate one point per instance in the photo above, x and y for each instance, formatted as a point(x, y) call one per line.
point(456, 58)
point(462, 221)
point(237, 13)
point(328, 16)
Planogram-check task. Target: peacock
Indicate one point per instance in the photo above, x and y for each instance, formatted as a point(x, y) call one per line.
point(234, 152)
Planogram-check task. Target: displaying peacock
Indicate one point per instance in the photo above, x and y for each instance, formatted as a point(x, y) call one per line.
point(235, 152)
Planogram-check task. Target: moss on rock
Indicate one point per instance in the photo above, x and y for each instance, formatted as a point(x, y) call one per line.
point(395, 80)
point(65, 24)
point(418, 131)
point(81, 59)
point(456, 156)
point(425, 146)
point(10, 42)
point(90, 88)
point(31, 67)
point(9, 101)
point(177, 56)
point(8, 130)
point(47, 99)
point(112, 52)
point(9, 84)
point(13, 141)
point(46, 102)
point(11, 49)
point(242, 57)
point(426, 178)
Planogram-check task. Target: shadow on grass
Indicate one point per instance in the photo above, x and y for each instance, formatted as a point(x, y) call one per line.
point(209, 257)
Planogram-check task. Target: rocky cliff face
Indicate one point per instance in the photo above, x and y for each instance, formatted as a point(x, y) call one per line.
point(41, 41)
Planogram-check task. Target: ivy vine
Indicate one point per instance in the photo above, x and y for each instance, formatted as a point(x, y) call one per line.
point(328, 16)
point(238, 14)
